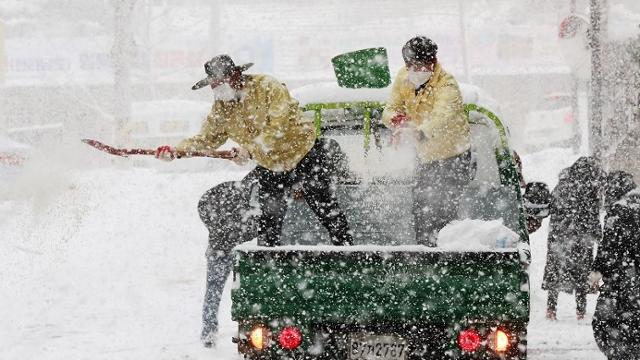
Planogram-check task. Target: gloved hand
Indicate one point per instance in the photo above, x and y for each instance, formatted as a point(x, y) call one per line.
point(398, 120)
point(524, 253)
point(240, 156)
point(594, 280)
point(165, 153)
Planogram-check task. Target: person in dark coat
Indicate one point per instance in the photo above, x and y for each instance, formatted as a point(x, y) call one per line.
point(616, 321)
point(230, 211)
point(227, 213)
point(574, 229)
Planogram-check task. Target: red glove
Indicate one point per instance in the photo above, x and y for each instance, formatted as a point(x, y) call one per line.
point(398, 120)
point(166, 153)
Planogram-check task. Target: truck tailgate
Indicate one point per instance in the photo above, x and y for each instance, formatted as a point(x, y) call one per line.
point(366, 286)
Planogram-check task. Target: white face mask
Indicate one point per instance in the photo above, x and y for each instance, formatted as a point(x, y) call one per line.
point(225, 92)
point(418, 78)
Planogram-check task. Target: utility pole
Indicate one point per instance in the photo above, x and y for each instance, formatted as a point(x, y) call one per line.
point(3, 71)
point(463, 34)
point(215, 8)
point(3, 61)
point(597, 77)
point(575, 90)
point(122, 53)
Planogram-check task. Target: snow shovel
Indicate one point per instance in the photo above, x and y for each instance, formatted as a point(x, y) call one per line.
point(366, 68)
point(179, 154)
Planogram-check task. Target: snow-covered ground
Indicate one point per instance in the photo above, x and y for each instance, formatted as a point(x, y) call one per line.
point(109, 264)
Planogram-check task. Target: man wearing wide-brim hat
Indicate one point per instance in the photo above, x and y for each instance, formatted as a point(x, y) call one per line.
point(257, 112)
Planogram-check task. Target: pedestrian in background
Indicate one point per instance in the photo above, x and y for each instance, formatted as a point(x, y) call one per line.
point(574, 230)
point(616, 322)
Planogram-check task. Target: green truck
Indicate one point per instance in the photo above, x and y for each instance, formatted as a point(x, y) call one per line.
point(386, 297)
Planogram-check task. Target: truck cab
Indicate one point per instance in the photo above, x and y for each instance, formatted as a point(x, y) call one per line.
point(386, 297)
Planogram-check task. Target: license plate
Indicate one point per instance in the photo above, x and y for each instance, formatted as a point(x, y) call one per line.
point(377, 347)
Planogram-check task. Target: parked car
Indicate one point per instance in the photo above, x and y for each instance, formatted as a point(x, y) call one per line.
point(12, 158)
point(551, 124)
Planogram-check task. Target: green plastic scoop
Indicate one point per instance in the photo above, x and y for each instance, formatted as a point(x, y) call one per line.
point(366, 68)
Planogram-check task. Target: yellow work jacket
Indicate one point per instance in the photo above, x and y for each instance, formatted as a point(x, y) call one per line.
point(436, 110)
point(266, 121)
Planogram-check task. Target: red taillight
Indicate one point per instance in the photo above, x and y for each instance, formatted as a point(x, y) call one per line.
point(469, 340)
point(290, 338)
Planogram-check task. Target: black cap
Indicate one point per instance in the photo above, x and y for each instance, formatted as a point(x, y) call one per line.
point(419, 49)
point(217, 69)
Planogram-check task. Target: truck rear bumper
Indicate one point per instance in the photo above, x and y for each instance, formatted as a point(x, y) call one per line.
point(419, 341)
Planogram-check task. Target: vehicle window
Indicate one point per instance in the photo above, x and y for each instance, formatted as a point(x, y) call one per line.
point(380, 159)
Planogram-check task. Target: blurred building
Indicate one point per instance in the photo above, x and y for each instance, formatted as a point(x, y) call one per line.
point(621, 104)
point(3, 59)
point(60, 60)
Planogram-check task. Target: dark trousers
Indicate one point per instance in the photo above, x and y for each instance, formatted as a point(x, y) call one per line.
point(316, 174)
point(581, 300)
point(219, 265)
point(436, 195)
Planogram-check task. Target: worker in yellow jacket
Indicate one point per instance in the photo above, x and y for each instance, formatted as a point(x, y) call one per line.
point(257, 112)
point(427, 101)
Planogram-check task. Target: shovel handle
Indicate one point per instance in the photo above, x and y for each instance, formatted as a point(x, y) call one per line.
point(224, 154)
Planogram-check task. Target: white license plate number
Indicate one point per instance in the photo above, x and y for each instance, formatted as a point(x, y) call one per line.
point(377, 347)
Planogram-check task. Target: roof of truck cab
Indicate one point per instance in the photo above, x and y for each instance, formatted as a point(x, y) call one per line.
point(330, 92)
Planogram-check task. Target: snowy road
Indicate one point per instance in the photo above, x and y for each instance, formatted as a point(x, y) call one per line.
point(109, 264)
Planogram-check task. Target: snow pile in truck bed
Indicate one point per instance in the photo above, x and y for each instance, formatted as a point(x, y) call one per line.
point(477, 235)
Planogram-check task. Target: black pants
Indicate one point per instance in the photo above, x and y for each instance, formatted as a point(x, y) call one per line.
point(616, 321)
point(436, 195)
point(581, 300)
point(316, 173)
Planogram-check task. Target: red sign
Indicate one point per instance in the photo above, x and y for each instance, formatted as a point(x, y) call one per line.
point(572, 25)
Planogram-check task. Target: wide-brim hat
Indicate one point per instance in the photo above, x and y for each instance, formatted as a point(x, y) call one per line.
point(218, 69)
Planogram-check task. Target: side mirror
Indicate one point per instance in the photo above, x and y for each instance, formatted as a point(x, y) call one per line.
point(537, 202)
